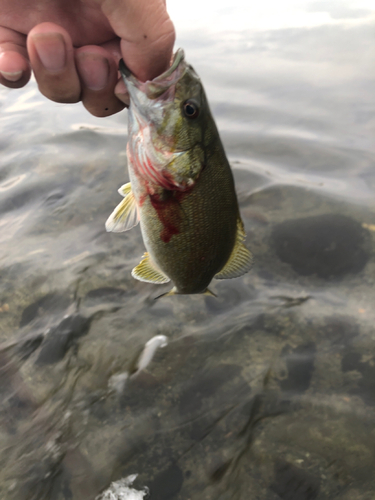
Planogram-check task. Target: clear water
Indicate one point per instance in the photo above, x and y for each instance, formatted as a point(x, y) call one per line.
point(267, 392)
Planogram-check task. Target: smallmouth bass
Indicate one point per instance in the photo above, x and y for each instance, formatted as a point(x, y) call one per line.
point(181, 187)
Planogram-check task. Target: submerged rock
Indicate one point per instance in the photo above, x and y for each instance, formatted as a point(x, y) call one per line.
point(51, 303)
point(167, 484)
point(60, 338)
point(293, 483)
point(329, 246)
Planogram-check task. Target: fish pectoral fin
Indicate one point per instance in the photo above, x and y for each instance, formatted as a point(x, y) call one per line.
point(126, 214)
point(148, 272)
point(125, 189)
point(240, 260)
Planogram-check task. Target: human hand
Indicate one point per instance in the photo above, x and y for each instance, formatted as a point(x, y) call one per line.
point(74, 46)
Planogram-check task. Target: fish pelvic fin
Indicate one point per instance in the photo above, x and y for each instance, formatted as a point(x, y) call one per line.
point(147, 271)
point(126, 214)
point(240, 260)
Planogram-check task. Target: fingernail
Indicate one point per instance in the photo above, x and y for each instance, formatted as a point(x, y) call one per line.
point(12, 77)
point(51, 50)
point(93, 70)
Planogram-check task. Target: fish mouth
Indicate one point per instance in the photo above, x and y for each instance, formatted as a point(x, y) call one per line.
point(159, 85)
point(178, 57)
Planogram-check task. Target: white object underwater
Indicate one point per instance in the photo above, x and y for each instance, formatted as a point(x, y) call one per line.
point(117, 382)
point(149, 351)
point(121, 490)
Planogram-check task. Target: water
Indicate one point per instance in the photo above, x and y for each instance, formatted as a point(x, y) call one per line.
point(266, 392)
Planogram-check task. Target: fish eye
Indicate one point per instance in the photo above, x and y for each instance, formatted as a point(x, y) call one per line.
point(191, 109)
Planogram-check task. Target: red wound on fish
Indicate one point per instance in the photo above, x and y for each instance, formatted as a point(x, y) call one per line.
point(168, 210)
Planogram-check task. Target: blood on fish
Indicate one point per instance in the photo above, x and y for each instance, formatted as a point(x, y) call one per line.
point(167, 202)
point(168, 209)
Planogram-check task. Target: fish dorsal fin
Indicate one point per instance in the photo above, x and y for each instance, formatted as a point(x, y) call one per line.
point(148, 272)
point(240, 260)
point(125, 215)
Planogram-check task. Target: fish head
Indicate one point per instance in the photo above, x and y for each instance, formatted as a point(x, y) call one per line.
point(168, 117)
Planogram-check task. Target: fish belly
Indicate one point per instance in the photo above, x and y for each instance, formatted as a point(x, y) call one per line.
point(190, 236)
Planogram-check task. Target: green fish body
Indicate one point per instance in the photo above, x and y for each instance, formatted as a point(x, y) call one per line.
point(181, 186)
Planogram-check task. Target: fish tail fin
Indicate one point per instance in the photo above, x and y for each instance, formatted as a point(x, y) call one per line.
point(167, 294)
point(175, 292)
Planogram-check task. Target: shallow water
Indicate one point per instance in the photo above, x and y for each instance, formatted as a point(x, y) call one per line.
point(266, 392)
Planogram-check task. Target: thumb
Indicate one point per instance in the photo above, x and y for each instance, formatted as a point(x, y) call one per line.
point(147, 34)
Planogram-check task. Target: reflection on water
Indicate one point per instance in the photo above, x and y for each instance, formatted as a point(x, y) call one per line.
point(269, 389)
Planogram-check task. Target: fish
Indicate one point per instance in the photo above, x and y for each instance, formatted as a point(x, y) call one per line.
point(181, 187)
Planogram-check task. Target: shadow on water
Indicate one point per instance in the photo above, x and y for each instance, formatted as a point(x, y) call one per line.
point(266, 392)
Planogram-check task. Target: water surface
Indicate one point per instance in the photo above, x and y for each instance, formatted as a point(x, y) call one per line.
point(266, 392)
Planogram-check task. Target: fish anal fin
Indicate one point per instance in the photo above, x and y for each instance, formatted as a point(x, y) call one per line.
point(240, 260)
point(146, 271)
point(125, 215)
